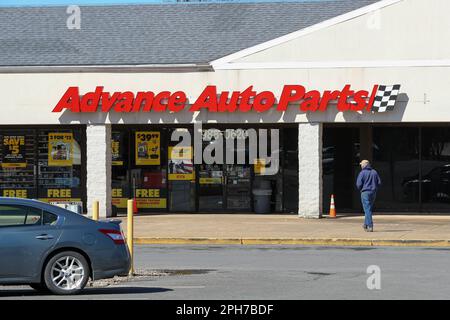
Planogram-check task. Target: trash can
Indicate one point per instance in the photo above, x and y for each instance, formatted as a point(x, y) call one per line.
point(262, 184)
point(261, 198)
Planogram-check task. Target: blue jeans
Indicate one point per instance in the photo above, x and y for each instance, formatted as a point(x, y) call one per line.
point(367, 200)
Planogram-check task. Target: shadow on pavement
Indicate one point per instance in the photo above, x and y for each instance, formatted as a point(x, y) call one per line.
point(25, 292)
point(393, 231)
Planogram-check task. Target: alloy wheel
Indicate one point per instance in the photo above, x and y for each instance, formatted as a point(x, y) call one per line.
point(67, 273)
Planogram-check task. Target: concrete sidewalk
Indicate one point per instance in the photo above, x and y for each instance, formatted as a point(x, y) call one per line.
point(289, 229)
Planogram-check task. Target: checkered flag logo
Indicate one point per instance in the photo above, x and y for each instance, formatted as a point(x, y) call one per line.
point(385, 98)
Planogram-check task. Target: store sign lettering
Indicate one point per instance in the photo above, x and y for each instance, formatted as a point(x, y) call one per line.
point(210, 99)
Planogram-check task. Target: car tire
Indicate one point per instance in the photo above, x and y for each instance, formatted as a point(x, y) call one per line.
point(66, 273)
point(39, 287)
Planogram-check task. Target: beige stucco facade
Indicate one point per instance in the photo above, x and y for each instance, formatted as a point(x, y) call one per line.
point(30, 98)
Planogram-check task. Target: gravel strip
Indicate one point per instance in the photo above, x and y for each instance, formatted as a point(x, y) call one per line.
point(139, 274)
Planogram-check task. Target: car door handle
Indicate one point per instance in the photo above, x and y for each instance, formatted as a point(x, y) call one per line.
point(44, 237)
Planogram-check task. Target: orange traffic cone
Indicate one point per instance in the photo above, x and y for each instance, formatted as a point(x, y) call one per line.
point(332, 207)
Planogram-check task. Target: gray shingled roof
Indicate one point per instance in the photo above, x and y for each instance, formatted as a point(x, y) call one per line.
point(153, 34)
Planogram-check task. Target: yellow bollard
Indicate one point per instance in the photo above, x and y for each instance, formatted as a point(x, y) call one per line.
point(130, 233)
point(95, 206)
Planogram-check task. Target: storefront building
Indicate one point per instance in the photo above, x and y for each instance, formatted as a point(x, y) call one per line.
point(97, 113)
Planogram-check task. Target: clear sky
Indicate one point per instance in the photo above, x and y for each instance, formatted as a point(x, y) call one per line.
point(9, 3)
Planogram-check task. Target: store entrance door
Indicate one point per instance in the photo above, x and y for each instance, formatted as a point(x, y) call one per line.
point(340, 159)
point(238, 188)
point(225, 187)
point(210, 190)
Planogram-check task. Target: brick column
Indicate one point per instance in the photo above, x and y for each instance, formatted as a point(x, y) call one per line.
point(310, 170)
point(98, 162)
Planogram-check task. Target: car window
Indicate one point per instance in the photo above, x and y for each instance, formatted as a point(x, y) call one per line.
point(48, 218)
point(19, 215)
point(34, 216)
point(11, 216)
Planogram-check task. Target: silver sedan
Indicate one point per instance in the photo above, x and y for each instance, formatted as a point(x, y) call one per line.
point(52, 249)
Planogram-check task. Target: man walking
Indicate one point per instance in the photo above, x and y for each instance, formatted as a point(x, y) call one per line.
point(368, 183)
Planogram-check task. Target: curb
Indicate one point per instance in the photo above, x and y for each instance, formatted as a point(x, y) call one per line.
point(304, 242)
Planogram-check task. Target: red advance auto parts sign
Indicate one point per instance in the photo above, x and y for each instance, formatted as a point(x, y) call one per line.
point(380, 98)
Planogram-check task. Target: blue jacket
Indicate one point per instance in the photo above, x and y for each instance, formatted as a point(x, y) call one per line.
point(368, 180)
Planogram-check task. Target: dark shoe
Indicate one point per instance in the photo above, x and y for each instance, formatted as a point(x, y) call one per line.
point(364, 227)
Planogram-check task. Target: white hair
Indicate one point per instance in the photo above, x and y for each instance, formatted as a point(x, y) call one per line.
point(364, 163)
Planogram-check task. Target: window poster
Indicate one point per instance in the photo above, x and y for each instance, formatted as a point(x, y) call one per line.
point(120, 197)
point(148, 148)
point(181, 166)
point(151, 198)
point(14, 152)
point(117, 148)
point(60, 149)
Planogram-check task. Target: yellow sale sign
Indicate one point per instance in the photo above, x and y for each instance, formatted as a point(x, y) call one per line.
point(60, 149)
point(148, 148)
point(14, 152)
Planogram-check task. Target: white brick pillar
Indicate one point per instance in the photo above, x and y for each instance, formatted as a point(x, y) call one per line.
point(310, 170)
point(98, 163)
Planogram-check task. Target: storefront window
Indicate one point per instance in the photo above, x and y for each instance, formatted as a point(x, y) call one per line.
point(341, 153)
point(237, 178)
point(181, 171)
point(44, 164)
point(149, 169)
point(211, 176)
point(238, 191)
point(290, 170)
point(59, 169)
point(151, 165)
point(412, 161)
point(229, 186)
point(396, 158)
point(435, 191)
point(120, 174)
point(18, 164)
